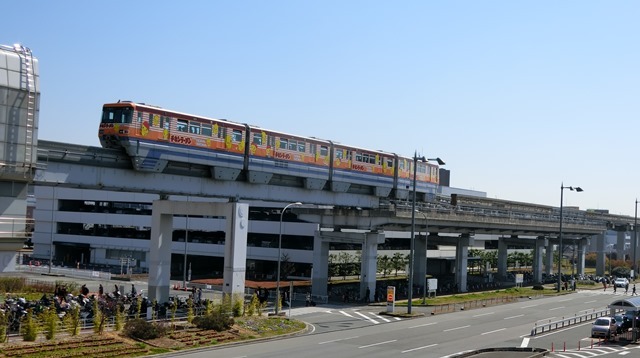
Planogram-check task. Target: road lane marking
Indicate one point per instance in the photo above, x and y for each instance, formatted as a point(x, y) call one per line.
point(346, 314)
point(423, 325)
point(556, 308)
point(529, 306)
point(380, 317)
point(367, 318)
point(419, 348)
point(497, 330)
point(377, 344)
point(520, 315)
point(525, 343)
point(592, 301)
point(339, 339)
point(566, 299)
point(453, 329)
point(484, 314)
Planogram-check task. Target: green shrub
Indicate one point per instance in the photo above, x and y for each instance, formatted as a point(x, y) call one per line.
point(139, 328)
point(237, 306)
point(216, 321)
point(72, 320)
point(50, 320)
point(537, 287)
point(29, 328)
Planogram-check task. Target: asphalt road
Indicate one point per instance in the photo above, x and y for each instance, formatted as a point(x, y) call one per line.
point(355, 331)
point(337, 331)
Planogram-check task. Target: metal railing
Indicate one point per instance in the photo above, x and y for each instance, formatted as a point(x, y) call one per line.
point(566, 322)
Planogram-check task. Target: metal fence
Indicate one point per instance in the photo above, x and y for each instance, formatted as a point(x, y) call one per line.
point(566, 322)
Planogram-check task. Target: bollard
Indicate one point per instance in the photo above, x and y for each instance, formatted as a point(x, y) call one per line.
point(564, 346)
point(552, 346)
point(578, 345)
point(591, 343)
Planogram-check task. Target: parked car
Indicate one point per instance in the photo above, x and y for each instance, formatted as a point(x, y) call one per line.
point(621, 282)
point(604, 327)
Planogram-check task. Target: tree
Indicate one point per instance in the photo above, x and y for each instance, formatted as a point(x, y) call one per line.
point(345, 259)
point(399, 261)
point(333, 265)
point(384, 265)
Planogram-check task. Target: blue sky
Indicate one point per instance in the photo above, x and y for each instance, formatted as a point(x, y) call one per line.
point(516, 96)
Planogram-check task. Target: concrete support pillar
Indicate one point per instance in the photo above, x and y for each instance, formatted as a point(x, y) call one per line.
point(582, 246)
point(600, 254)
point(160, 256)
point(320, 275)
point(549, 266)
point(369, 264)
point(235, 249)
point(502, 258)
point(462, 253)
point(541, 243)
point(237, 216)
point(621, 236)
point(420, 264)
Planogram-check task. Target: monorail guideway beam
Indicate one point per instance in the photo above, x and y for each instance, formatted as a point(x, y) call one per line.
point(235, 246)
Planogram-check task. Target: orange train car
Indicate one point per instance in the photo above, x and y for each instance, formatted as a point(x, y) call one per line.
point(154, 137)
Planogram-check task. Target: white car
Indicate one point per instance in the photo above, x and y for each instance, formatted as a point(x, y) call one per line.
point(621, 282)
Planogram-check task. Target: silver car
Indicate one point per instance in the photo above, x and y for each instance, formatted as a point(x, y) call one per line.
point(604, 327)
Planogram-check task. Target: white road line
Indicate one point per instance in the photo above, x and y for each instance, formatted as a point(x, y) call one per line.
point(566, 299)
point(497, 330)
point(453, 329)
point(338, 340)
point(529, 306)
point(556, 308)
point(520, 315)
point(592, 301)
point(346, 314)
point(377, 344)
point(367, 318)
point(484, 314)
point(419, 348)
point(624, 353)
point(525, 343)
point(397, 318)
point(423, 325)
point(380, 317)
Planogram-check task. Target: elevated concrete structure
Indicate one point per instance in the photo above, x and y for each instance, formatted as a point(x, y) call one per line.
point(236, 215)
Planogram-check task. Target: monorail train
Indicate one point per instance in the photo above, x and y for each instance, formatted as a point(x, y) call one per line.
point(154, 137)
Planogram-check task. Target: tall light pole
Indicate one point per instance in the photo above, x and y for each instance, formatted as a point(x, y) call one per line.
point(280, 256)
point(562, 188)
point(413, 224)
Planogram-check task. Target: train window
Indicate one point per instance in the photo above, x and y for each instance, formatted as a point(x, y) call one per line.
point(284, 143)
point(206, 130)
point(139, 117)
point(117, 115)
point(359, 157)
point(389, 163)
point(182, 125)
point(293, 144)
point(302, 146)
point(220, 132)
point(236, 135)
point(312, 148)
point(167, 123)
point(194, 127)
point(257, 138)
point(339, 154)
point(271, 140)
point(324, 150)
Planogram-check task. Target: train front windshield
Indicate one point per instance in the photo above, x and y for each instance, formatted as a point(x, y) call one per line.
point(117, 114)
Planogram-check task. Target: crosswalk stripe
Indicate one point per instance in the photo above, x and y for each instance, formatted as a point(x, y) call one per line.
point(367, 318)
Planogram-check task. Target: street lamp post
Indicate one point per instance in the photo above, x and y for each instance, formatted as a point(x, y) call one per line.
point(413, 224)
point(277, 309)
point(562, 188)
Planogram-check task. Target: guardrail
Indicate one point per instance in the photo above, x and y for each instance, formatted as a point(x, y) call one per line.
point(566, 322)
point(63, 271)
